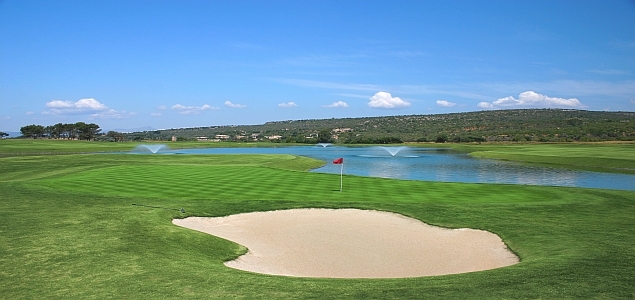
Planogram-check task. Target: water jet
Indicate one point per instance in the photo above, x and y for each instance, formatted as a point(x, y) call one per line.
point(393, 150)
point(152, 148)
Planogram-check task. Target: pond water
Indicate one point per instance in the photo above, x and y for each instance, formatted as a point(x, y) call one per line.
point(433, 164)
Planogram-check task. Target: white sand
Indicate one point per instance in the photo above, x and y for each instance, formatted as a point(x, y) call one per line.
point(352, 243)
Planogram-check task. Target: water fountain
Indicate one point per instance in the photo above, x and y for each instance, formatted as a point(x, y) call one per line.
point(325, 144)
point(393, 150)
point(152, 148)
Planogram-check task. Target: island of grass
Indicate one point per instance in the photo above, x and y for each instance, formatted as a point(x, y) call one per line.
point(69, 229)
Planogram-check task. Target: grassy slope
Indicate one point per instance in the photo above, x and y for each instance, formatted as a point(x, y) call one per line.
point(69, 230)
point(602, 157)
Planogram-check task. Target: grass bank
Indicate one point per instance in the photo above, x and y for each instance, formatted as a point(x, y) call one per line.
point(70, 230)
point(599, 157)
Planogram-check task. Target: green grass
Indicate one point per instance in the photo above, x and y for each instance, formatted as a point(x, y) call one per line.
point(602, 157)
point(12, 147)
point(21, 147)
point(69, 229)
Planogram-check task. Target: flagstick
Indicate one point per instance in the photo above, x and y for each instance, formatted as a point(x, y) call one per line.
point(341, 172)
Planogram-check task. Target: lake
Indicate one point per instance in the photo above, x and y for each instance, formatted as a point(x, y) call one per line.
point(433, 164)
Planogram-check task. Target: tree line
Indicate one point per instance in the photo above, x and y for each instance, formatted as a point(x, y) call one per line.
point(516, 125)
point(71, 131)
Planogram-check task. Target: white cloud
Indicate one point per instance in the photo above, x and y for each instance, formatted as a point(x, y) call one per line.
point(187, 110)
point(232, 105)
point(113, 114)
point(29, 113)
point(582, 88)
point(81, 107)
point(482, 91)
point(531, 99)
point(386, 100)
point(156, 114)
point(5, 118)
point(485, 105)
point(445, 103)
point(337, 104)
point(162, 107)
point(288, 104)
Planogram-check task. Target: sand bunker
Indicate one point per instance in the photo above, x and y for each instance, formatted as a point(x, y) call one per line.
point(352, 243)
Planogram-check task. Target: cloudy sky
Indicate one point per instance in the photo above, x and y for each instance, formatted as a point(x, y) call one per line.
point(169, 64)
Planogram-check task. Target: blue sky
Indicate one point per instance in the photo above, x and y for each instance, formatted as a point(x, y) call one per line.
point(171, 64)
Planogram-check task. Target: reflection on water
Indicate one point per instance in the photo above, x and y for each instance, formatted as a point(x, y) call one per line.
point(436, 165)
point(511, 173)
point(385, 169)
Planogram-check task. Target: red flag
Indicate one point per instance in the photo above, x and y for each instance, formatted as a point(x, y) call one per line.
point(339, 161)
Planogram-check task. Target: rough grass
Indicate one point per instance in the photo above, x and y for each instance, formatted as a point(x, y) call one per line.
point(69, 230)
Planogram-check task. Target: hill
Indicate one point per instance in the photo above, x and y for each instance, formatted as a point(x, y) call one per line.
point(543, 125)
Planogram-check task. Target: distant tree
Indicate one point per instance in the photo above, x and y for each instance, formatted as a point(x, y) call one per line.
point(87, 131)
point(48, 131)
point(325, 136)
point(3, 134)
point(115, 136)
point(32, 131)
point(64, 131)
point(442, 138)
point(57, 130)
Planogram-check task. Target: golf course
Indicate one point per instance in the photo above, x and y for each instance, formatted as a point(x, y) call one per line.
point(88, 220)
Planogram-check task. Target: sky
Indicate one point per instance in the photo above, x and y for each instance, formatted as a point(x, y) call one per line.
point(131, 65)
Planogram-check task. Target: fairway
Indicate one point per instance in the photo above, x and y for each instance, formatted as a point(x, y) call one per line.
point(70, 230)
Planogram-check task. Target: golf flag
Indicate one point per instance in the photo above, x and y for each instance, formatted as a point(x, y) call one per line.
point(340, 161)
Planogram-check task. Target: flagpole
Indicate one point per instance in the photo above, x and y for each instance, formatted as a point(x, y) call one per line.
point(340, 161)
point(341, 172)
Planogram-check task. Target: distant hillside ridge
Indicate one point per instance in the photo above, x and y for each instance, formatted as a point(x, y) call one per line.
point(514, 125)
